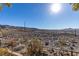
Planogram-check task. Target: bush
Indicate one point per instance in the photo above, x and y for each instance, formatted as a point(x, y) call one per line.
point(35, 47)
point(4, 52)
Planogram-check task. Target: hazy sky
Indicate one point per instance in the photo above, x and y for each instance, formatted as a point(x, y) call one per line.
point(39, 16)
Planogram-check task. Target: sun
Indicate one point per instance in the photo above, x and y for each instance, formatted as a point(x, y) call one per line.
point(55, 8)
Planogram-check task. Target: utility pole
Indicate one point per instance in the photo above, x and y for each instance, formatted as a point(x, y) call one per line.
point(75, 32)
point(24, 25)
point(24, 31)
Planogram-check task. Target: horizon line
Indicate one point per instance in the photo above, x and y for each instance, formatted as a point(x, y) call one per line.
point(41, 28)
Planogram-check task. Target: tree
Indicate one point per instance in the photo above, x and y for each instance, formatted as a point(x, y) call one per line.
point(7, 4)
point(75, 6)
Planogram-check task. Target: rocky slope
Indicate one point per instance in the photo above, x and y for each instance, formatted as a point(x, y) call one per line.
point(65, 39)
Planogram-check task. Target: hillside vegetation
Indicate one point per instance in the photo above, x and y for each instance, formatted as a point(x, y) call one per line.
point(32, 41)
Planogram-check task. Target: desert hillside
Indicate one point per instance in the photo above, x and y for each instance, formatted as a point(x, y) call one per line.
point(17, 39)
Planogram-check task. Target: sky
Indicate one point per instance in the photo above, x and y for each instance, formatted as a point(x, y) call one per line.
point(39, 15)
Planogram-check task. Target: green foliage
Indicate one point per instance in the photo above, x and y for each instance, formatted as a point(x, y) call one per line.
point(35, 47)
point(0, 6)
point(7, 4)
point(75, 6)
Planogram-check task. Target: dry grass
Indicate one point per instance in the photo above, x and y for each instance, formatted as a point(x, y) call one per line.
point(4, 52)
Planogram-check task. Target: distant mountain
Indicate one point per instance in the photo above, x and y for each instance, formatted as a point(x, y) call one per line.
point(16, 27)
point(67, 30)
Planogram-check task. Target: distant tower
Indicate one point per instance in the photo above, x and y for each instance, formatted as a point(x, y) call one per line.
point(24, 31)
point(75, 32)
point(24, 25)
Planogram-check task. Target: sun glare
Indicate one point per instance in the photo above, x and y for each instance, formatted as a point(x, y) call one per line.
point(55, 8)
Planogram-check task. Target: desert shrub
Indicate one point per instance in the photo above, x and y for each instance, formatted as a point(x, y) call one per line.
point(19, 47)
point(11, 43)
point(35, 47)
point(4, 52)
